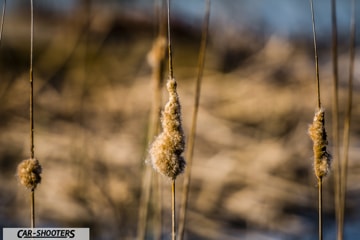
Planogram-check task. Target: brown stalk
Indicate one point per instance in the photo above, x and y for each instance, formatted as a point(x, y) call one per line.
point(29, 170)
point(32, 208)
point(156, 60)
point(347, 124)
point(320, 208)
point(191, 143)
point(158, 79)
point(32, 151)
point(173, 227)
point(335, 120)
point(2, 20)
point(31, 83)
point(171, 70)
point(318, 135)
point(171, 76)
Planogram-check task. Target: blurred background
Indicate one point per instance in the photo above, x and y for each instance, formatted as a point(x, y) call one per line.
point(252, 174)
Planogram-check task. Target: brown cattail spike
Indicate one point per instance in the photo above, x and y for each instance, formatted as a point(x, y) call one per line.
point(166, 150)
point(29, 171)
point(322, 159)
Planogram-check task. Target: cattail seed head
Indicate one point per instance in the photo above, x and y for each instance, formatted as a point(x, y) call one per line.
point(166, 150)
point(28, 172)
point(317, 133)
point(157, 52)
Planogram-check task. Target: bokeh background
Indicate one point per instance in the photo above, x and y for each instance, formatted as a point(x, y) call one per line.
point(252, 174)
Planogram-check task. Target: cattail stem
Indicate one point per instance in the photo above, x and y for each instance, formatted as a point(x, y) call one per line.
point(2, 20)
point(173, 228)
point(320, 194)
point(32, 208)
point(29, 170)
point(171, 71)
point(144, 202)
point(32, 152)
point(316, 55)
point(159, 206)
point(31, 81)
point(335, 121)
point(156, 59)
point(166, 150)
point(318, 134)
point(347, 123)
point(191, 143)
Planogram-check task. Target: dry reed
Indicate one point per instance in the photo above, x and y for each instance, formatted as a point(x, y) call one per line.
point(29, 170)
point(166, 150)
point(317, 133)
point(191, 141)
point(347, 124)
point(155, 58)
point(2, 20)
point(335, 119)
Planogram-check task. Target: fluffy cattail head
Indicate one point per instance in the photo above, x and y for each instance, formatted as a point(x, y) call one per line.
point(166, 150)
point(322, 159)
point(29, 171)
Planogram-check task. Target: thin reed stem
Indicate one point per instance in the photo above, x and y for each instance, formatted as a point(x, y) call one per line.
point(347, 123)
point(159, 206)
point(32, 145)
point(2, 20)
point(156, 59)
point(173, 228)
point(160, 81)
point(171, 71)
point(320, 195)
point(144, 202)
point(31, 82)
point(316, 55)
point(166, 150)
point(171, 76)
point(319, 139)
point(32, 208)
point(335, 121)
point(191, 141)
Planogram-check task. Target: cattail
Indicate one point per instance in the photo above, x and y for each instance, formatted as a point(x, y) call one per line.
point(29, 171)
point(157, 52)
point(166, 150)
point(322, 159)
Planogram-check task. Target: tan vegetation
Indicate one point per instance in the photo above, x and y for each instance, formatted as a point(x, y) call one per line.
point(252, 173)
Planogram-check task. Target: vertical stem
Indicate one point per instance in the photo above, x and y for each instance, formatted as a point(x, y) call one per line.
point(347, 123)
point(157, 80)
point(190, 150)
point(316, 55)
point(32, 152)
point(171, 71)
point(159, 205)
point(173, 229)
point(320, 224)
point(335, 119)
point(32, 208)
point(2, 20)
point(144, 201)
point(31, 82)
point(320, 209)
